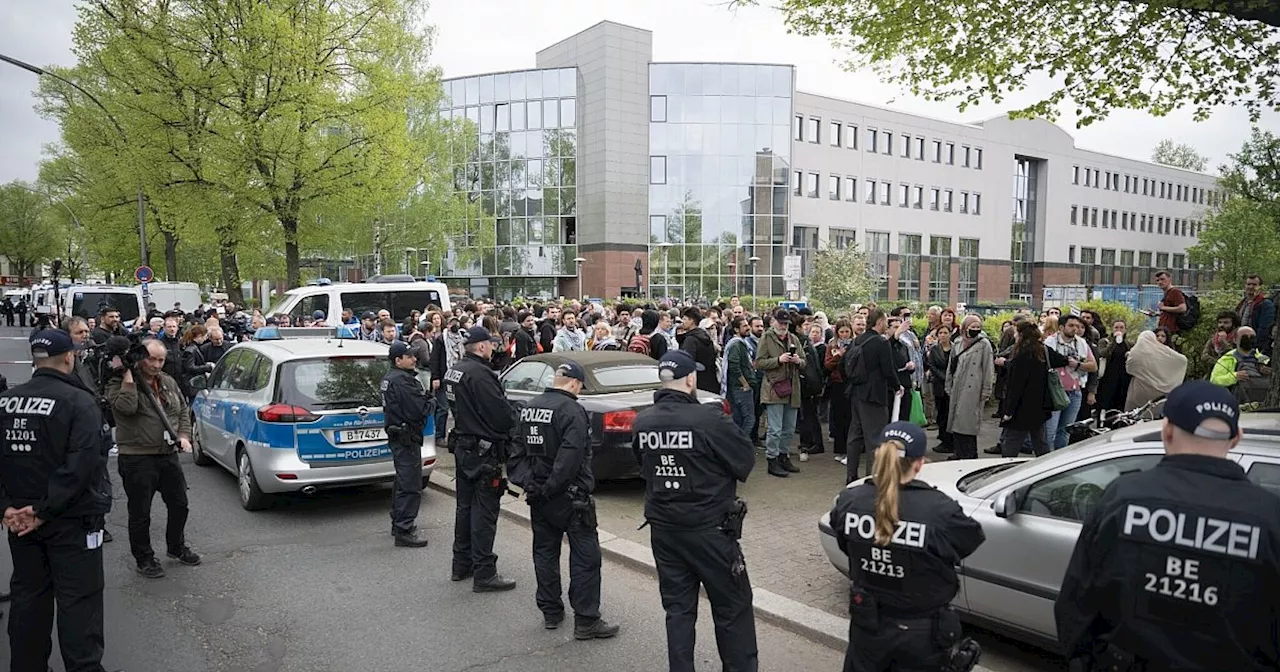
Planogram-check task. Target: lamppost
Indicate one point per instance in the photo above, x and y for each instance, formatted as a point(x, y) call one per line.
point(142, 213)
point(408, 252)
point(666, 269)
point(733, 277)
point(754, 260)
point(579, 261)
point(426, 269)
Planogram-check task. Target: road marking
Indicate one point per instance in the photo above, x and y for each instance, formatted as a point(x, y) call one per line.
point(16, 361)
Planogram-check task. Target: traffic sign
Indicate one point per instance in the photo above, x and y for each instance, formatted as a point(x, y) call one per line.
point(144, 274)
point(791, 268)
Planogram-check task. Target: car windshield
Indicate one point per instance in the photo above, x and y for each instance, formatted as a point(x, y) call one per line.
point(981, 478)
point(337, 382)
point(627, 376)
point(90, 304)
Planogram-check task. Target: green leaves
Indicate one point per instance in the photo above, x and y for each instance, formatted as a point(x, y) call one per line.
point(29, 236)
point(1177, 155)
point(841, 278)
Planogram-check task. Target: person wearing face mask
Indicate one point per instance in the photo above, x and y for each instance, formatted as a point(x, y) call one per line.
point(1244, 370)
point(970, 377)
point(1113, 383)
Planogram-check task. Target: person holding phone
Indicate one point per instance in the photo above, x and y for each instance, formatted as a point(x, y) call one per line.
point(780, 359)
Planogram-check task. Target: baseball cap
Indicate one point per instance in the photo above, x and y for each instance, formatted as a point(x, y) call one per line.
point(677, 364)
point(913, 439)
point(368, 315)
point(478, 334)
point(398, 349)
point(570, 369)
point(50, 343)
point(317, 315)
point(273, 321)
point(1195, 401)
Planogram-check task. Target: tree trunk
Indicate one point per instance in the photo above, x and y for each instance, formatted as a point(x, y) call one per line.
point(290, 224)
point(1273, 396)
point(230, 271)
point(170, 255)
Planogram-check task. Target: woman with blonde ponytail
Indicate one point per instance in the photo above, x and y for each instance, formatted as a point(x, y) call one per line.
point(903, 538)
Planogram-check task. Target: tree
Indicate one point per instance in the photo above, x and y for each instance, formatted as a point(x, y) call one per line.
point(27, 238)
point(1155, 56)
point(841, 277)
point(1237, 240)
point(1253, 173)
point(1177, 155)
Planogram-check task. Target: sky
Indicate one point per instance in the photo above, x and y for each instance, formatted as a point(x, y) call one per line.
point(476, 36)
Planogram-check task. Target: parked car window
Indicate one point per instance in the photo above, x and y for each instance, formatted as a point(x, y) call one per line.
point(261, 372)
point(237, 370)
point(336, 382)
point(308, 306)
point(1072, 495)
point(528, 377)
point(630, 377)
point(1266, 474)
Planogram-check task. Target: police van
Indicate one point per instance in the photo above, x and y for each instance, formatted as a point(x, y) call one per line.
point(401, 295)
point(298, 415)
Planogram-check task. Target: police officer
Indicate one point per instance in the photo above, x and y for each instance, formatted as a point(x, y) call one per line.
point(691, 457)
point(404, 408)
point(55, 496)
point(1177, 567)
point(555, 472)
point(482, 421)
point(903, 539)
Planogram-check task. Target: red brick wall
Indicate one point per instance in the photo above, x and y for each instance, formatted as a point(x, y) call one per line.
point(926, 271)
point(893, 279)
point(993, 281)
point(606, 272)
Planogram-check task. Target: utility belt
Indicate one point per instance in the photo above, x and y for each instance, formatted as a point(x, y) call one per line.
point(482, 460)
point(584, 507)
point(403, 432)
point(1109, 658)
point(962, 652)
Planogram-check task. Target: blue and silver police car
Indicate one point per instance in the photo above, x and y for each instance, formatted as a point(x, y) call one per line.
point(298, 415)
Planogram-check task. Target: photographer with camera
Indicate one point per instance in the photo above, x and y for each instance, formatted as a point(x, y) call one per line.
point(148, 406)
point(84, 369)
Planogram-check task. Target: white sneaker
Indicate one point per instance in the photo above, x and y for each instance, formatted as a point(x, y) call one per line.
point(842, 459)
point(114, 451)
point(804, 457)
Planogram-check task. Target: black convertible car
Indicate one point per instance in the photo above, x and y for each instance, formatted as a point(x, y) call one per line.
point(618, 385)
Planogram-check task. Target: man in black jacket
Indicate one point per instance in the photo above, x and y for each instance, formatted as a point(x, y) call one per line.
point(555, 471)
point(404, 404)
point(217, 345)
point(697, 342)
point(55, 496)
point(108, 325)
point(873, 380)
point(526, 336)
point(547, 329)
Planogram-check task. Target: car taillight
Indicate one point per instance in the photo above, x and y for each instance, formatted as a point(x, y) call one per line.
point(286, 413)
point(619, 421)
point(724, 406)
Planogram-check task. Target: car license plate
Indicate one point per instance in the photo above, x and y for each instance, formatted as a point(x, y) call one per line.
point(358, 435)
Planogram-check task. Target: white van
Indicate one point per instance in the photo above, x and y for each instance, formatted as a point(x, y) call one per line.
point(401, 297)
point(88, 300)
point(165, 294)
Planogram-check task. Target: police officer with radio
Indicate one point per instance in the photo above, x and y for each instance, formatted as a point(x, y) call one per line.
point(691, 457)
point(55, 496)
point(1176, 568)
point(904, 539)
point(404, 408)
point(553, 465)
point(483, 421)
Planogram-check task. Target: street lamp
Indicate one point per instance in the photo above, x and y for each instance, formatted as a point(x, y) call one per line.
point(733, 277)
point(754, 260)
point(426, 269)
point(142, 213)
point(666, 268)
point(579, 261)
point(409, 252)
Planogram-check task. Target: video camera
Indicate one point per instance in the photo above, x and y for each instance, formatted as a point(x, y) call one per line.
point(131, 351)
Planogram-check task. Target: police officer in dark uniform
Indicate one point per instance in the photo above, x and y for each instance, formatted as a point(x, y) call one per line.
point(1178, 566)
point(404, 408)
point(903, 539)
point(55, 496)
point(691, 457)
point(553, 466)
point(483, 421)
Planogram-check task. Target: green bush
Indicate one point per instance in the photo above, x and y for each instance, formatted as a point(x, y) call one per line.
point(1192, 342)
point(1110, 311)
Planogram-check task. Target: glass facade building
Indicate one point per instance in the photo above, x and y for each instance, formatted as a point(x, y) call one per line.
point(719, 172)
point(516, 161)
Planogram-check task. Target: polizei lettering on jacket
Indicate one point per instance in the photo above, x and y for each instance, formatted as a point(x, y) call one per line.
point(1202, 533)
point(906, 533)
point(541, 416)
point(678, 440)
point(27, 405)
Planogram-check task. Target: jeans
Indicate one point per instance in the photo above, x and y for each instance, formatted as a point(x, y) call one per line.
point(743, 405)
point(782, 426)
point(1055, 430)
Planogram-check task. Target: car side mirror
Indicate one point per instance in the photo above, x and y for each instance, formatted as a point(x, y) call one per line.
point(1006, 504)
point(200, 382)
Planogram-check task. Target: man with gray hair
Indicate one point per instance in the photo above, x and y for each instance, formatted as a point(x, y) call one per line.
point(148, 458)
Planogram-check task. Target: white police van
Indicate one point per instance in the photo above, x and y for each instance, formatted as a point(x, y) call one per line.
point(399, 294)
point(298, 415)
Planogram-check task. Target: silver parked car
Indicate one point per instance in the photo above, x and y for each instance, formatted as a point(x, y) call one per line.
point(297, 415)
point(1032, 511)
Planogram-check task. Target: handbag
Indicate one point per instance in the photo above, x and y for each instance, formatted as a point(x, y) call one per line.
point(1053, 386)
point(917, 410)
point(783, 388)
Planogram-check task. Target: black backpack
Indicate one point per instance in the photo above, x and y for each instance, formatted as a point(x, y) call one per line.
point(1191, 317)
point(812, 380)
point(854, 369)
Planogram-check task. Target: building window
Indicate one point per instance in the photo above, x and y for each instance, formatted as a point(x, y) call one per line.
point(1075, 174)
point(937, 151)
point(1146, 187)
point(946, 200)
point(919, 149)
point(804, 237)
point(917, 197)
point(1071, 254)
point(977, 204)
point(834, 134)
point(873, 140)
point(813, 131)
point(977, 158)
point(934, 196)
point(842, 239)
point(1126, 267)
point(906, 146)
point(904, 195)
point(1106, 176)
point(657, 108)
point(1144, 261)
point(871, 192)
point(1124, 221)
point(1093, 218)
point(1142, 223)
point(811, 185)
point(966, 155)
point(968, 267)
point(851, 189)
point(658, 228)
point(833, 187)
point(884, 193)
point(1074, 210)
point(1162, 260)
point(1088, 257)
point(940, 269)
point(797, 128)
point(888, 143)
point(964, 202)
point(1126, 184)
point(851, 136)
point(797, 183)
point(908, 267)
point(657, 170)
point(1108, 266)
point(878, 253)
point(1178, 195)
point(951, 153)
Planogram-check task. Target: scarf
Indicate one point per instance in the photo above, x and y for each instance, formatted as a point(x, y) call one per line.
point(606, 343)
point(1156, 365)
point(573, 339)
point(452, 347)
point(1247, 307)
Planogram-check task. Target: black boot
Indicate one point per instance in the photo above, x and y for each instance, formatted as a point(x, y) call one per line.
point(784, 460)
point(776, 469)
point(993, 450)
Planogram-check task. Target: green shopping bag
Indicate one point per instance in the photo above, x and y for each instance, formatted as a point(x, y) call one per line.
point(917, 410)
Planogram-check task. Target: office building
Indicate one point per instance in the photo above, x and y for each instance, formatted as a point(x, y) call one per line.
point(706, 176)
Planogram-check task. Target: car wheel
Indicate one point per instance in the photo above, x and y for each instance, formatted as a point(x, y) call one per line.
point(252, 498)
point(198, 455)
